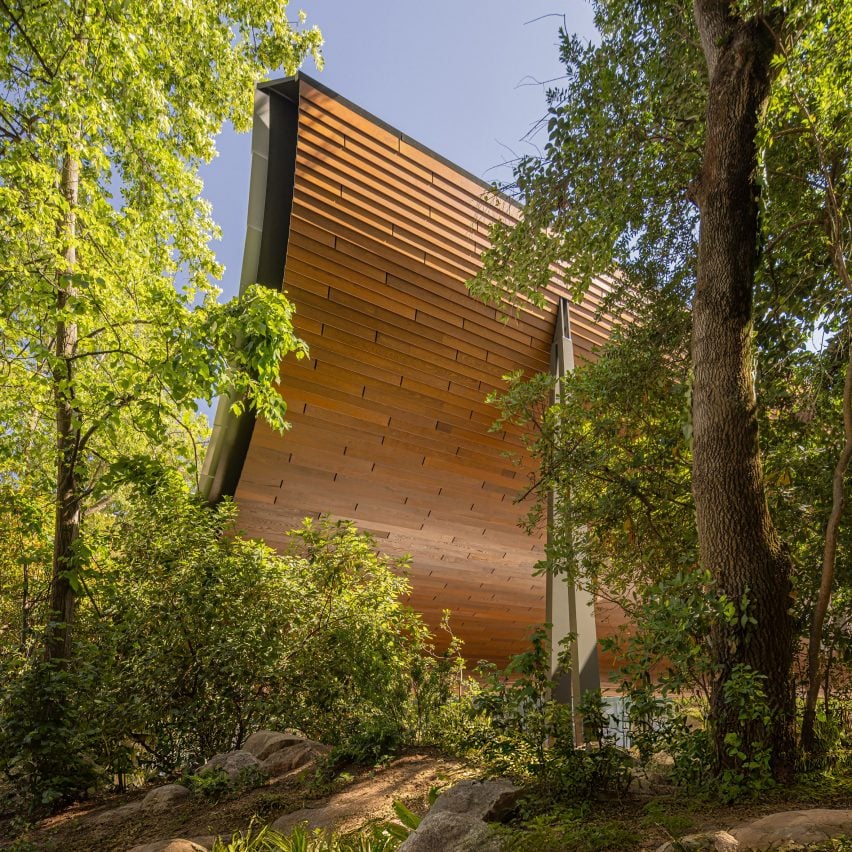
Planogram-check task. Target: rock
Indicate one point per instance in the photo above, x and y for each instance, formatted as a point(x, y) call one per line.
point(163, 798)
point(794, 828)
point(481, 839)
point(262, 744)
point(695, 722)
point(293, 757)
point(709, 841)
point(654, 777)
point(644, 783)
point(489, 801)
point(116, 814)
point(661, 761)
point(232, 762)
point(448, 831)
point(457, 820)
point(176, 845)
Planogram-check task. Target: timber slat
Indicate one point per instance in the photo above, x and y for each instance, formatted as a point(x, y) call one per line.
point(390, 426)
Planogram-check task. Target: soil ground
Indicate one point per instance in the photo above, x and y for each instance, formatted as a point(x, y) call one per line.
point(361, 796)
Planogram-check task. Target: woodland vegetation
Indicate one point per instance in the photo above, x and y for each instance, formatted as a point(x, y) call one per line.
point(701, 462)
point(703, 151)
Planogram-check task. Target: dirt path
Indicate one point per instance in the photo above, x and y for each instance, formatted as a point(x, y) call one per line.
point(408, 780)
point(111, 826)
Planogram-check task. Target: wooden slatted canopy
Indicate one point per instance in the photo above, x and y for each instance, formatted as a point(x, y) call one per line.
point(373, 238)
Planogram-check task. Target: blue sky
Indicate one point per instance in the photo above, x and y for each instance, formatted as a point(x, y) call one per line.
point(459, 77)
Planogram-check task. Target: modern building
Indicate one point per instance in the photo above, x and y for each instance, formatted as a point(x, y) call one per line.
point(373, 238)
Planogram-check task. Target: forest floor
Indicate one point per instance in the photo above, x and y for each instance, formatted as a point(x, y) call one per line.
point(645, 822)
point(361, 796)
point(356, 797)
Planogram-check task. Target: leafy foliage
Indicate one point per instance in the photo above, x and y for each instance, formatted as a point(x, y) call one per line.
point(195, 637)
point(109, 320)
point(516, 728)
point(609, 196)
point(110, 330)
point(569, 827)
point(315, 640)
point(48, 764)
point(94, 86)
point(383, 837)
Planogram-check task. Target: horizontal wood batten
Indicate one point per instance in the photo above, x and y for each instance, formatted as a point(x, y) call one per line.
point(390, 427)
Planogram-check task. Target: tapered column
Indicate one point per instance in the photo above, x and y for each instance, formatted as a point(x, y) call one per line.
point(569, 609)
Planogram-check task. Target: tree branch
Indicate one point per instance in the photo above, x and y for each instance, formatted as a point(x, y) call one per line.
point(11, 15)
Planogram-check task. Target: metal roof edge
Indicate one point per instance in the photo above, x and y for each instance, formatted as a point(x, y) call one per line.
point(231, 434)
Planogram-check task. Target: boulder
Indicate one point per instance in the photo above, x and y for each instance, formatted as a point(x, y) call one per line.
point(164, 798)
point(794, 828)
point(121, 814)
point(293, 757)
point(661, 761)
point(457, 820)
point(176, 845)
point(489, 801)
point(709, 841)
point(262, 744)
point(450, 832)
point(232, 762)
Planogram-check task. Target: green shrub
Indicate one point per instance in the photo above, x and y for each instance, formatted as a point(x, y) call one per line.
point(562, 828)
point(210, 784)
point(215, 636)
point(192, 637)
point(750, 771)
point(833, 737)
point(515, 728)
point(47, 740)
point(382, 837)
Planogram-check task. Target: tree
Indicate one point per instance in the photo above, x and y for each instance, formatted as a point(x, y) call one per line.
point(684, 117)
point(737, 539)
point(812, 108)
point(108, 111)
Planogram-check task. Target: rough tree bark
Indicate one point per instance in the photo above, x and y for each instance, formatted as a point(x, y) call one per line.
point(62, 596)
point(738, 541)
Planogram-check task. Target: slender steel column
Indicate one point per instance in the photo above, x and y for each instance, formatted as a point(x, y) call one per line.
point(570, 610)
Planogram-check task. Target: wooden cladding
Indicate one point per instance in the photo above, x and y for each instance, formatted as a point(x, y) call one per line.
point(390, 427)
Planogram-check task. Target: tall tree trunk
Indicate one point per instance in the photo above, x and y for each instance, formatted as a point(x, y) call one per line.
point(25, 607)
point(737, 539)
point(67, 525)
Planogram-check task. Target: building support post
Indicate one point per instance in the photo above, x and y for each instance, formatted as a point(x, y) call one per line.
point(569, 609)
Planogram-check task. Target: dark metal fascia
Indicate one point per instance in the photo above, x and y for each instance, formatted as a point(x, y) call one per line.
point(273, 173)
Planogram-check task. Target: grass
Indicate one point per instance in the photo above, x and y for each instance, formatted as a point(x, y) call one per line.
point(572, 828)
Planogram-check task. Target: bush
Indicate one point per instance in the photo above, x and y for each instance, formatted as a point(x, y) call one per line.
point(562, 827)
point(46, 737)
point(515, 728)
point(192, 637)
point(214, 636)
point(382, 837)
